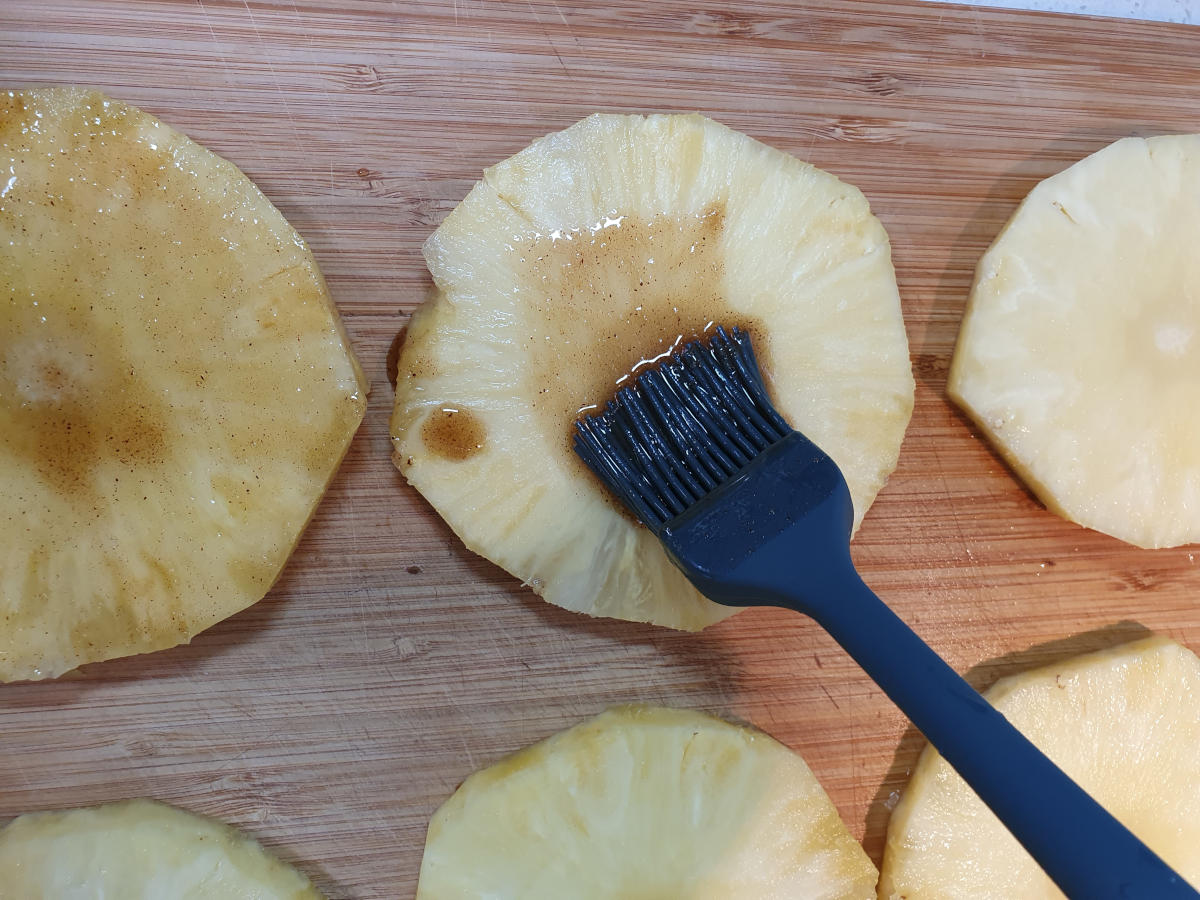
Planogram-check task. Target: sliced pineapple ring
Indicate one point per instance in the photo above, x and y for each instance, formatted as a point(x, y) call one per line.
point(644, 802)
point(175, 387)
point(591, 253)
point(139, 849)
point(1079, 355)
point(1124, 723)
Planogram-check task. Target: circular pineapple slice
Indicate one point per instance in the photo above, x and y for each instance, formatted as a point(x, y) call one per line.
point(175, 387)
point(1079, 355)
point(139, 849)
point(592, 252)
point(644, 802)
point(1124, 723)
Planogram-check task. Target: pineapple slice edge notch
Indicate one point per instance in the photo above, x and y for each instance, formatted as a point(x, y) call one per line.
point(176, 388)
point(592, 252)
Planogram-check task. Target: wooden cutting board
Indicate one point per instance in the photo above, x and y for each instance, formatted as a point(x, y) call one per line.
point(331, 719)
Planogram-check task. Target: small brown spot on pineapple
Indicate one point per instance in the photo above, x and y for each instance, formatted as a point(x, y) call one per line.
point(453, 434)
point(393, 356)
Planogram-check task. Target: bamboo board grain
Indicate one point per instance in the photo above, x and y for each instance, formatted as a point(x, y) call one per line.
point(331, 719)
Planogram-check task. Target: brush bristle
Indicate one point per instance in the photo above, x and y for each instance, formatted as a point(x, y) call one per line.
point(682, 429)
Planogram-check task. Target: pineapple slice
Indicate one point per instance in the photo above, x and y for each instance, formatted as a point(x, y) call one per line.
point(175, 387)
point(594, 252)
point(139, 850)
point(1076, 355)
point(648, 803)
point(1124, 723)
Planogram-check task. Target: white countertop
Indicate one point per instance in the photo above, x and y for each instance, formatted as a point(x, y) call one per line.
point(1185, 11)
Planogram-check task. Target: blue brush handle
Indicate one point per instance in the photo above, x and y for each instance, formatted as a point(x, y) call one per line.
point(779, 533)
point(1087, 852)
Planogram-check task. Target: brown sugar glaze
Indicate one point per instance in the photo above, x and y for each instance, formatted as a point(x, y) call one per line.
point(604, 303)
point(599, 306)
point(71, 404)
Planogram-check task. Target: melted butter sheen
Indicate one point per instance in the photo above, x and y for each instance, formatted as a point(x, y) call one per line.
point(609, 301)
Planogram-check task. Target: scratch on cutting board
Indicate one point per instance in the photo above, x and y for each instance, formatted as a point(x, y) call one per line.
point(830, 697)
point(450, 704)
point(546, 35)
point(466, 745)
point(213, 35)
point(979, 33)
point(959, 532)
point(368, 794)
point(335, 108)
point(274, 76)
point(14, 759)
point(231, 764)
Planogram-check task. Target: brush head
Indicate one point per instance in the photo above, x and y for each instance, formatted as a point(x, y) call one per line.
point(682, 429)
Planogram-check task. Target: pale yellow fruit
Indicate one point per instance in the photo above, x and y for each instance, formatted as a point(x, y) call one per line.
point(175, 387)
point(606, 245)
point(1079, 355)
point(1124, 723)
point(648, 803)
point(138, 850)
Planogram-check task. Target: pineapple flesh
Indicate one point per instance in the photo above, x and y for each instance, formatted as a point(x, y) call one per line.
point(176, 389)
point(591, 254)
point(647, 803)
point(1124, 723)
point(138, 850)
point(1079, 355)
